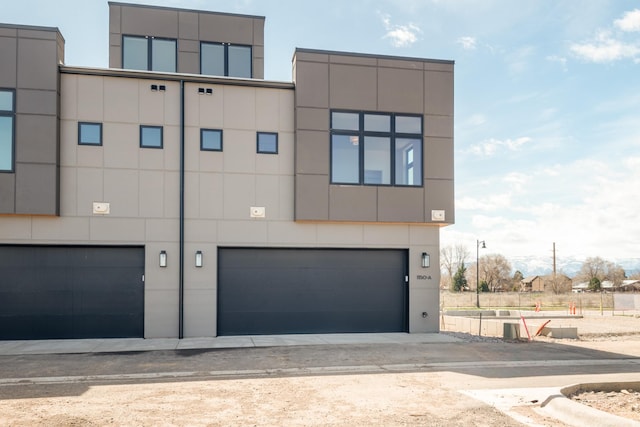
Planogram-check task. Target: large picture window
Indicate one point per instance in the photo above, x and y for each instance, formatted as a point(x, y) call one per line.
point(149, 54)
point(376, 148)
point(224, 59)
point(7, 124)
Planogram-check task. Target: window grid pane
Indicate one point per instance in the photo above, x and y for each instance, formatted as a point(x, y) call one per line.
point(163, 55)
point(239, 61)
point(6, 100)
point(211, 140)
point(377, 160)
point(409, 124)
point(6, 143)
point(345, 159)
point(377, 123)
point(135, 55)
point(408, 162)
point(345, 121)
point(212, 59)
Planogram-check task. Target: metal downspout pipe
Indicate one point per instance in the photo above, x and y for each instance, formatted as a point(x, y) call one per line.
point(181, 221)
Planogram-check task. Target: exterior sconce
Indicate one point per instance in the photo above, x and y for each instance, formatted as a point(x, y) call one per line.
point(426, 261)
point(198, 259)
point(163, 258)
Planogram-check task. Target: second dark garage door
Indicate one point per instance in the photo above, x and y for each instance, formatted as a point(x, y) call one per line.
point(290, 291)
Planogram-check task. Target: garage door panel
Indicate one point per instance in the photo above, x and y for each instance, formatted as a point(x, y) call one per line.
point(71, 292)
point(273, 291)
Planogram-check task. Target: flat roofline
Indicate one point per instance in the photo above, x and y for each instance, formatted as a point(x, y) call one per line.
point(147, 6)
point(372, 55)
point(31, 27)
point(189, 78)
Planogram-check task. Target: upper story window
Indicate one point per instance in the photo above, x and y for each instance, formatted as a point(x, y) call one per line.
point(149, 53)
point(224, 59)
point(89, 133)
point(267, 142)
point(7, 124)
point(376, 148)
point(210, 139)
point(151, 136)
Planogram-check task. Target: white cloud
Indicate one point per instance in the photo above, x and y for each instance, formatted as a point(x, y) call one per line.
point(491, 146)
point(587, 207)
point(400, 35)
point(630, 21)
point(467, 42)
point(605, 48)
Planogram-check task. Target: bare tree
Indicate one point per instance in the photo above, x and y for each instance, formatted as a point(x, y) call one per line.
point(495, 270)
point(558, 283)
point(596, 269)
point(451, 258)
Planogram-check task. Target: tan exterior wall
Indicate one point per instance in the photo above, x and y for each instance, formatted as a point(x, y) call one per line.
point(334, 80)
point(189, 28)
point(29, 58)
point(142, 187)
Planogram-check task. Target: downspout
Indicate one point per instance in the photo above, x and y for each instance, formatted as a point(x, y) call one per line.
point(181, 220)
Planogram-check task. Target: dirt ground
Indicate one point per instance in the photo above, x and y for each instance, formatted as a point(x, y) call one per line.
point(354, 399)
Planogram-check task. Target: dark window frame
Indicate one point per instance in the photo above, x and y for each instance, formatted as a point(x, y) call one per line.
point(142, 127)
point(226, 57)
point(260, 133)
point(11, 114)
point(202, 132)
point(150, 50)
point(80, 142)
point(361, 134)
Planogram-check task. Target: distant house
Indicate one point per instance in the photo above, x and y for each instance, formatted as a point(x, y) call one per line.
point(561, 283)
point(629, 285)
point(532, 284)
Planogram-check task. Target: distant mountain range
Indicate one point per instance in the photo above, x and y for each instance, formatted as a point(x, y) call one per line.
point(532, 266)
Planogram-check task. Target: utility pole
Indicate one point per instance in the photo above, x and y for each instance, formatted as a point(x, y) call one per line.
point(554, 261)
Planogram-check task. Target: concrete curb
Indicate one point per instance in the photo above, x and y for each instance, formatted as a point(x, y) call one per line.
point(572, 413)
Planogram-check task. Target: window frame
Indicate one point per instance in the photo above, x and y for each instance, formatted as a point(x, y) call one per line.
point(149, 52)
point(142, 127)
point(362, 135)
point(12, 115)
point(258, 135)
point(202, 132)
point(226, 58)
point(93, 144)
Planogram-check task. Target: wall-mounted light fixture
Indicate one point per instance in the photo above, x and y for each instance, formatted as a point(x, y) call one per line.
point(198, 258)
point(426, 261)
point(163, 258)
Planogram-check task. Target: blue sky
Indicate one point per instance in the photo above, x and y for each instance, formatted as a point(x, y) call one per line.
point(547, 101)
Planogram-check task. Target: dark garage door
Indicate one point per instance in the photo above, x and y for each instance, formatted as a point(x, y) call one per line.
point(49, 292)
point(289, 291)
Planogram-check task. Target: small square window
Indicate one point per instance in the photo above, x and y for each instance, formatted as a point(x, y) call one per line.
point(268, 142)
point(151, 136)
point(89, 133)
point(210, 140)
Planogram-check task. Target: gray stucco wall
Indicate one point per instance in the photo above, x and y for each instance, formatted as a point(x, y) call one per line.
point(29, 58)
point(189, 28)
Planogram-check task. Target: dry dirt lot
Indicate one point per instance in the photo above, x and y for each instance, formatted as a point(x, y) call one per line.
point(351, 399)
